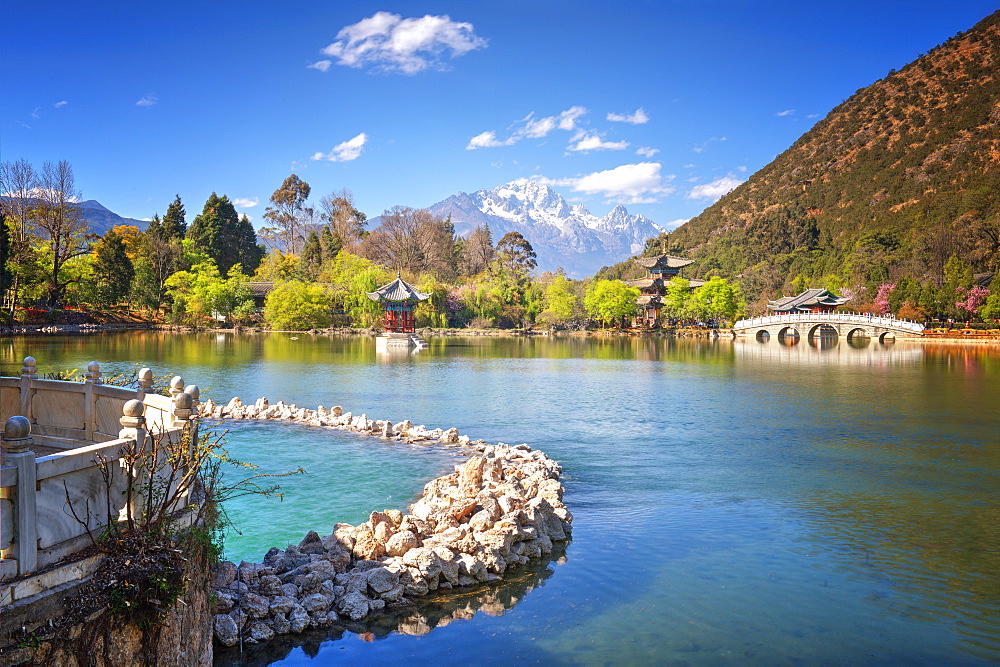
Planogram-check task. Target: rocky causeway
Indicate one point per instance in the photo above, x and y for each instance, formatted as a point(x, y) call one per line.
point(500, 509)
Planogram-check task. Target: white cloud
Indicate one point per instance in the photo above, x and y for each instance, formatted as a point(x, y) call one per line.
point(646, 151)
point(639, 183)
point(346, 151)
point(388, 42)
point(715, 189)
point(245, 202)
point(742, 168)
point(534, 128)
point(700, 147)
point(674, 224)
point(637, 118)
point(60, 104)
point(488, 140)
point(37, 112)
point(321, 65)
point(593, 142)
point(148, 100)
point(786, 112)
point(540, 127)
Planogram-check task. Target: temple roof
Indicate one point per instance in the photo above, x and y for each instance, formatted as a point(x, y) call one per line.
point(649, 300)
point(663, 261)
point(806, 300)
point(397, 290)
point(643, 283)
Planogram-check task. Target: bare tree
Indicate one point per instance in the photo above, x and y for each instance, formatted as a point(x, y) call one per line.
point(393, 243)
point(57, 222)
point(18, 186)
point(346, 222)
point(477, 251)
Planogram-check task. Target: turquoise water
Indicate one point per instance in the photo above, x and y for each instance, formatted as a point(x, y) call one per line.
point(734, 502)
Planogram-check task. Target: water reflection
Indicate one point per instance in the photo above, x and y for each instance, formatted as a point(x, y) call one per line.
point(418, 618)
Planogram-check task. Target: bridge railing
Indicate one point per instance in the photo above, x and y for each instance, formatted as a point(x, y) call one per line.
point(839, 317)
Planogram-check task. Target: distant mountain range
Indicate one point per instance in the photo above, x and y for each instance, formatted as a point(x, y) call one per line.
point(100, 219)
point(562, 235)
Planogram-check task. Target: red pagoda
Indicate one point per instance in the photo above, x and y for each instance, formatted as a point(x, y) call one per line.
point(652, 288)
point(398, 299)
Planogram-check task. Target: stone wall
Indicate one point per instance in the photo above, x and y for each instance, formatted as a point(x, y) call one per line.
point(500, 509)
point(62, 627)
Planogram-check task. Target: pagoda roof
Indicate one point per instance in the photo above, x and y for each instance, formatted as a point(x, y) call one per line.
point(649, 300)
point(397, 290)
point(807, 300)
point(643, 283)
point(663, 261)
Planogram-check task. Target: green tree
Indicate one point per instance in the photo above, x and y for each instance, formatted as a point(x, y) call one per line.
point(351, 278)
point(6, 268)
point(297, 306)
point(112, 269)
point(225, 236)
point(716, 299)
point(174, 224)
point(677, 291)
point(559, 300)
point(515, 253)
point(610, 300)
point(312, 256)
point(286, 214)
point(329, 244)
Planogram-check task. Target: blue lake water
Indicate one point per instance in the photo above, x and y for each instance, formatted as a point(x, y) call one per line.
point(734, 501)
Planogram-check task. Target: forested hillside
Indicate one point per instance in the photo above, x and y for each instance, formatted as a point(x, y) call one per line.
point(897, 183)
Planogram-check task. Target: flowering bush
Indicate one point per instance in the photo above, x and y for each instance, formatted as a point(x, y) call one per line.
point(974, 297)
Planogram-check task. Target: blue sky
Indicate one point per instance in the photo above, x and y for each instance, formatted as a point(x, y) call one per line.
point(661, 105)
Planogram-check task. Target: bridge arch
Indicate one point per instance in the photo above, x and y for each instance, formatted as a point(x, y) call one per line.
point(858, 332)
point(762, 336)
point(823, 330)
point(788, 335)
point(887, 337)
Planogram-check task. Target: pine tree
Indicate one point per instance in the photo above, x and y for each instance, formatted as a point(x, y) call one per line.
point(226, 237)
point(174, 226)
point(312, 256)
point(113, 270)
point(330, 244)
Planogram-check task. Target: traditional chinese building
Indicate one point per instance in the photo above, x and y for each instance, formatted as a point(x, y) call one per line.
point(398, 299)
point(662, 269)
point(810, 301)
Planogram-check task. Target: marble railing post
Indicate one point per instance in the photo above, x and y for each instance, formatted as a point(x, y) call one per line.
point(93, 377)
point(133, 422)
point(16, 441)
point(145, 380)
point(176, 386)
point(29, 372)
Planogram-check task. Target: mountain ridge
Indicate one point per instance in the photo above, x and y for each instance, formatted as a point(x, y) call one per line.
point(892, 183)
point(563, 235)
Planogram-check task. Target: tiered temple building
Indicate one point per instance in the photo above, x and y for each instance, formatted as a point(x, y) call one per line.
point(811, 301)
point(652, 288)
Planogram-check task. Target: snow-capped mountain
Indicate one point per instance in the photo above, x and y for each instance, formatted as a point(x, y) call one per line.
point(564, 236)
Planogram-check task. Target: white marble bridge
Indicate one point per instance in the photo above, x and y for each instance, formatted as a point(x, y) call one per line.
point(846, 325)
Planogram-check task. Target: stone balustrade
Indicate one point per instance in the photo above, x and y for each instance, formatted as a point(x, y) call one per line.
point(56, 437)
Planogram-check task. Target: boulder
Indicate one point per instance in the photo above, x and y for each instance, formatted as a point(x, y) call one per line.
point(226, 631)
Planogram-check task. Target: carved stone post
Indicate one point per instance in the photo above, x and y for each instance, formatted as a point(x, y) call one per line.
point(145, 380)
point(133, 422)
point(29, 372)
point(94, 373)
point(93, 377)
point(16, 442)
point(194, 392)
point(176, 386)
